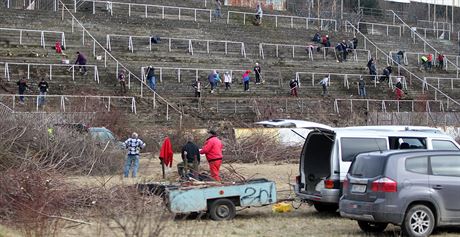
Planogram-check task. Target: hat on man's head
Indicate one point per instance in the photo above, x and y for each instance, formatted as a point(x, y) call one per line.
point(212, 132)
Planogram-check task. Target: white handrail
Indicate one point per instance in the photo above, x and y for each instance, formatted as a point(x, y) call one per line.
point(348, 76)
point(439, 79)
point(42, 35)
point(309, 50)
point(106, 52)
point(307, 22)
point(383, 104)
point(435, 58)
point(65, 103)
point(70, 68)
point(226, 43)
point(425, 43)
point(109, 6)
point(387, 26)
point(437, 91)
point(179, 69)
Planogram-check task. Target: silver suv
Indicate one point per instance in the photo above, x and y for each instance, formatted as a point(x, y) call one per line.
point(417, 190)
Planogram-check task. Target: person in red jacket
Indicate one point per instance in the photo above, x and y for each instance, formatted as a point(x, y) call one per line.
point(212, 148)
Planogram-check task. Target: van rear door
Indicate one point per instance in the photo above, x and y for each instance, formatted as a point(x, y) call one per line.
point(315, 160)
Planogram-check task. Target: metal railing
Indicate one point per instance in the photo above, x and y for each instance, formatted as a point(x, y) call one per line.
point(384, 104)
point(224, 43)
point(66, 103)
point(70, 68)
point(178, 71)
point(437, 33)
point(434, 24)
point(303, 22)
point(119, 64)
point(415, 35)
point(438, 81)
point(380, 25)
point(437, 92)
point(42, 35)
point(308, 51)
point(32, 5)
point(108, 5)
point(317, 76)
point(418, 55)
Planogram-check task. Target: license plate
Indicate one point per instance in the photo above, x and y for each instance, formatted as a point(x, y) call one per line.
point(358, 188)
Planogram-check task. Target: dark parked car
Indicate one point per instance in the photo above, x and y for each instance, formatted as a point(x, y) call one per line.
point(417, 190)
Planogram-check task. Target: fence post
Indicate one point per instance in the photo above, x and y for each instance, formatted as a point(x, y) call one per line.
point(7, 3)
point(42, 39)
point(130, 44)
point(28, 71)
point(7, 72)
point(108, 107)
point(129, 9)
point(51, 72)
point(75, 6)
point(226, 45)
point(63, 40)
point(169, 45)
point(94, 48)
point(179, 14)
point(105, 58)
point(163, 12)
point(96, 74)
point(73, 73)
point(178, 75)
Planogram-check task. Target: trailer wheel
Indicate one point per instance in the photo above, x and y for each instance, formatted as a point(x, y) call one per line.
point(222, 209)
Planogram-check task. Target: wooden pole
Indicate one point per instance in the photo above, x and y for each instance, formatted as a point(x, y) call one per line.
point(318, 9)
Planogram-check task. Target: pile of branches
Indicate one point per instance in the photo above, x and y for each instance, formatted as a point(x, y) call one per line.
point(260, 147)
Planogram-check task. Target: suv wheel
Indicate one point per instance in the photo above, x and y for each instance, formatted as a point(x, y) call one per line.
point(372, 226)
point(419, 221)
point(321, 207)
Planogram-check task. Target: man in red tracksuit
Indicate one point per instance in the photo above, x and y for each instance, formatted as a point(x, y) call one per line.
point(212, 148)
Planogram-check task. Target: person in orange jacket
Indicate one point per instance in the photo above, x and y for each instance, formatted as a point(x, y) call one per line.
point(212, 148)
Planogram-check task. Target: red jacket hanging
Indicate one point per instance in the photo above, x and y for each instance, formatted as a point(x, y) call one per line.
point(166, 152)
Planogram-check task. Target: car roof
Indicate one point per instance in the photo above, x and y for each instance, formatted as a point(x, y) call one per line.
point(98, 129)
point(363, 132)
point(292, 123)
point(404, 153)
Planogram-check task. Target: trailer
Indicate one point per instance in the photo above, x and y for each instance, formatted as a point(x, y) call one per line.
point(217, 199)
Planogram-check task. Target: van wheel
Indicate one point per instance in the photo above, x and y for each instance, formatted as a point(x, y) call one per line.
point(222, 209)
point(321, 207)
point(372, 226)
point(419, 221)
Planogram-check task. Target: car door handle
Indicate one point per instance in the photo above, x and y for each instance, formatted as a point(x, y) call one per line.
point(437, 187)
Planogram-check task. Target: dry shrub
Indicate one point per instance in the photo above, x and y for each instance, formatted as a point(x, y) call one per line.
point(25, 141)
point(41, 203)
point(259, 147)
point(127, 213)
point(37, 202)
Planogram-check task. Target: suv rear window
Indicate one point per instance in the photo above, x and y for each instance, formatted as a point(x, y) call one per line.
point(353, 146)
point(366, 166)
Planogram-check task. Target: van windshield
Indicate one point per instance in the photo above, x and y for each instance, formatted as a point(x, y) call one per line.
point(366, 166)
point(353, 146)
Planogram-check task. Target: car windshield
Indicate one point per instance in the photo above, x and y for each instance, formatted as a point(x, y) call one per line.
point(367, 166)
point(102, 135)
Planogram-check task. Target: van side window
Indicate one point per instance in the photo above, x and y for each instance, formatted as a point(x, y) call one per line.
point(401, 143)
point(444, 145)
point(351, 147)
point(445, 165)
point(417, 165)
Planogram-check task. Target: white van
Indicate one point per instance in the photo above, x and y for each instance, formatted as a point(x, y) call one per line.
point(327, 155)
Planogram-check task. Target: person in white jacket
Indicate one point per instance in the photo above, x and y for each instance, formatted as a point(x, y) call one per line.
point(227, 80)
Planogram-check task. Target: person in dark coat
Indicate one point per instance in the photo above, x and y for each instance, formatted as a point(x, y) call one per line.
point(81, 60)
point(190, 159)
point(22, 86)
point(294, 84)
point(43, 88)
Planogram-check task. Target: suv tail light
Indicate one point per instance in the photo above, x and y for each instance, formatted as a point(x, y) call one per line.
point(384, 185)
point(332, 184)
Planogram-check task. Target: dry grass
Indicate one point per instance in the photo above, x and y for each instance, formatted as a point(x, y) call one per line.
point(304, 221)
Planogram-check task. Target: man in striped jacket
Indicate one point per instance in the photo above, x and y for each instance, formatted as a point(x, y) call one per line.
point(134, 145)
